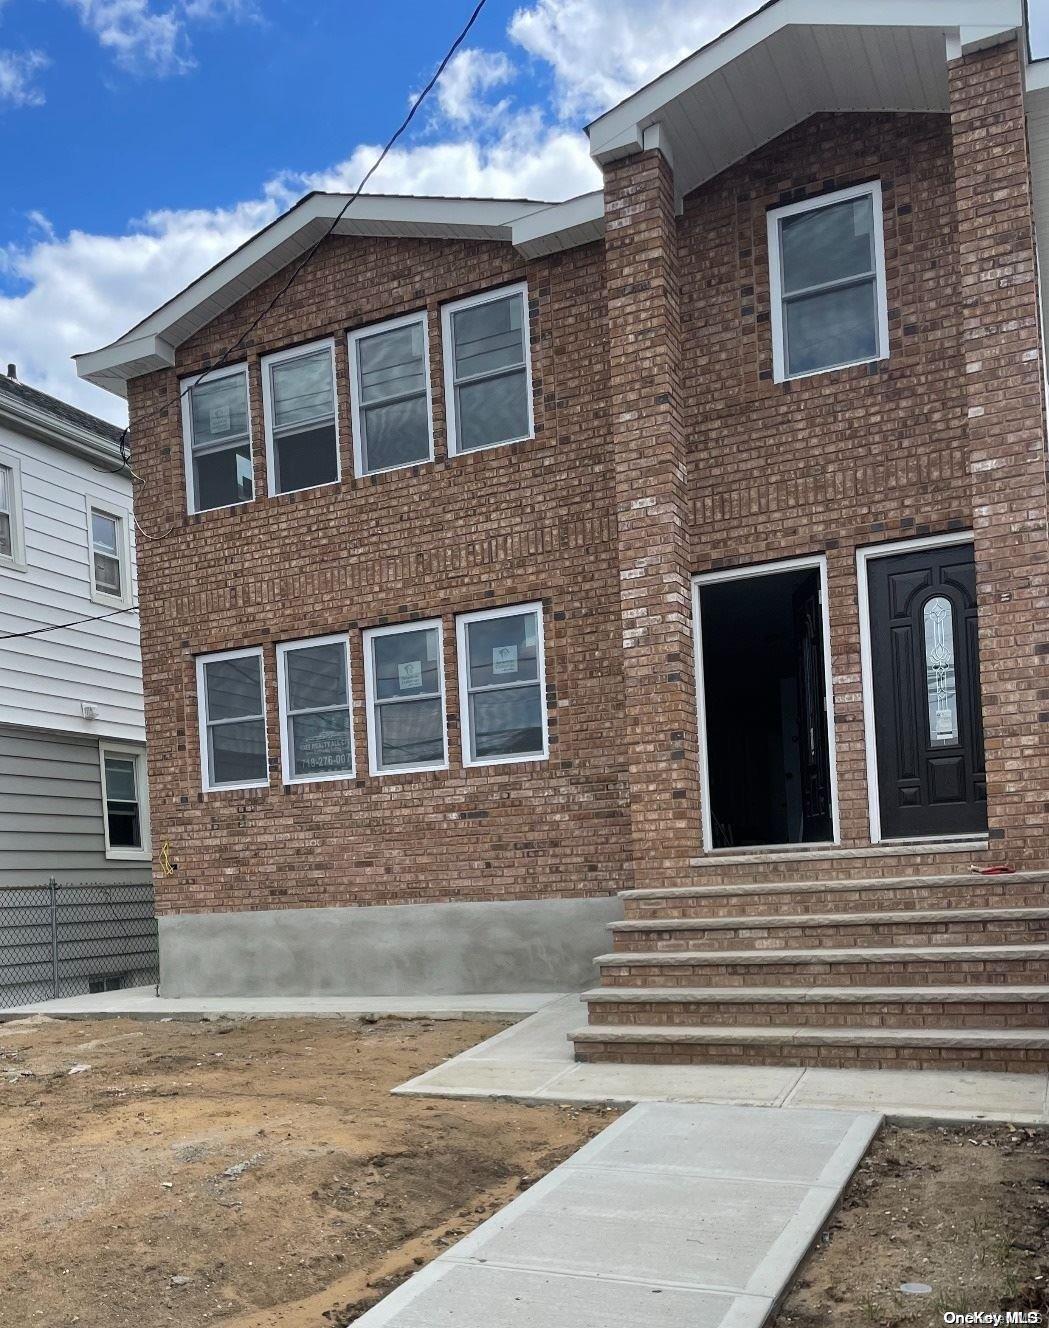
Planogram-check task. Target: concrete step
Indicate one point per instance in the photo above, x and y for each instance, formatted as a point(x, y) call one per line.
point(1011, 1051)
point(895, 893)
point(861, 966)
point(994, 1007)
point(1014, 926)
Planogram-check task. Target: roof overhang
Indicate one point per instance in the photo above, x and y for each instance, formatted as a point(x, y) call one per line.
point(29, 420)
point(533, 228)
point(792, 59)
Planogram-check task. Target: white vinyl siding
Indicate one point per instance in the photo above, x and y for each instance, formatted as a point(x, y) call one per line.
point(827, 280)
point(404, 687)
point(50, 677)
point(502, 685)
point(316, 717)
point(216, 437)
point(125, 806)
point(231, 707)
point(390, 392)
point(488, 370)
point(299, 405)
point(109, 553)
point(12, 543)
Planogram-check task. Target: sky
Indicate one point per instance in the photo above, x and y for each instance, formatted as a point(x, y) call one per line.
point(142, 140)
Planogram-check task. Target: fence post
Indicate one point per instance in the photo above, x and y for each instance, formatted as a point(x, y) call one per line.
point(52, 887)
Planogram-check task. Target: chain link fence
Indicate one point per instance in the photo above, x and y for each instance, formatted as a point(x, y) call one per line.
point(71, 940)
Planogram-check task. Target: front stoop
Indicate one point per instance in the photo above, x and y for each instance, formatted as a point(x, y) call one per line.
point(947, 973)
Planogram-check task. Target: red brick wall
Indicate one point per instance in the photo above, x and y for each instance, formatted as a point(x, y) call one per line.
point(655, 456)
point(525, 522)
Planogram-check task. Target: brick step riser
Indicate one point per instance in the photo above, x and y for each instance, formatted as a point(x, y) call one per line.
point(834, 936)
point(923, 973)
point(817, 1057)
point(960, 1016)
point(832, 901)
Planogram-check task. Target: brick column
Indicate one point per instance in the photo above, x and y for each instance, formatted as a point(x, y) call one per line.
point(648, 440)
point(1006, 434)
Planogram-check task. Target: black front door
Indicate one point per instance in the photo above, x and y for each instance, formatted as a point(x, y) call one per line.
point(926, 674)
point(814, 752)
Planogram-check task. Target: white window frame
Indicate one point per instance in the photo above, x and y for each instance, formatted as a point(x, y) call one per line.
point(752, 571)
point(284, 648)
point(870, 190)
point(463, 621)
point(266, 364)
point(15, 561)
point(138, 755)
point(362, 334)
point(202, 717)
point(185, 391)
point(448, 345)
point(123, 519)
point(371, 635)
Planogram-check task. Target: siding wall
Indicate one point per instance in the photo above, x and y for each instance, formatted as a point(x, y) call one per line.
point(44, 680)
point(51, 812)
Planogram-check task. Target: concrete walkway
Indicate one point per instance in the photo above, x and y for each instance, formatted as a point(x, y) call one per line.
point(675, 1215)
point(533, 1062)
point(143, 1003)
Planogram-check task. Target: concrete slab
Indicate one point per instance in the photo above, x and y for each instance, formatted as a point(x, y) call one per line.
point(539, 1044)
point(666, 1218)
point(143, 1003)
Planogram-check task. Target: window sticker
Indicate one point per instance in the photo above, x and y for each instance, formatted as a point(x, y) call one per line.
point(504, 659)
point(220, 418)
point(410, 675)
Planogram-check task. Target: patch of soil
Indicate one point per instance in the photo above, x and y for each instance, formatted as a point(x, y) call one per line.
point(961, 1210)
point(252, 1173)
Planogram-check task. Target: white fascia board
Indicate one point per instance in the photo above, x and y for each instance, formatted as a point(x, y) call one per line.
point(624, 123)
point(129, 357)
point(560, 226)
point(27, 419)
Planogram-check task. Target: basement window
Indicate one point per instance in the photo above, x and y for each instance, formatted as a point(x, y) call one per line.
point(216, 431)
point(502, 685)
point(827, 278)
point(109, 555)
point(125, 808)
point(302, 433)
point(404, 684)
point(488, 376)
point(232, 714)
point(390, 368)
point(313, 688)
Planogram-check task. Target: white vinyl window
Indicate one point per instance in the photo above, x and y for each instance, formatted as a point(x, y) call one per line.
point(298, 402)
point(313, 691)
point(404, 684)
point(12, 533)
point(109, 554)
point(827, 279)
point(502, 685)
point(125, 806)
point(487, 369)
point(216, 434)
point(392, 415)
point(231, 706)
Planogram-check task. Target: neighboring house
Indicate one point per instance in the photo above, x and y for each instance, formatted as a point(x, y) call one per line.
point(689, 535)
point(72, 745)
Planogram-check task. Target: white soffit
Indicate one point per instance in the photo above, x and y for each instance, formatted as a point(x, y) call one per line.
point(792, 59)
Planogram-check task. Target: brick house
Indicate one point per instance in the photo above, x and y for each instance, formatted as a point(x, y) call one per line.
point(688, 538)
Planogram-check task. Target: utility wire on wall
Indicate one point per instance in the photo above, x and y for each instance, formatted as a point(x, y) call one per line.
point(307, 258)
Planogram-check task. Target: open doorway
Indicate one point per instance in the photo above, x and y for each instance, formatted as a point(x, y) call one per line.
point(763, 676)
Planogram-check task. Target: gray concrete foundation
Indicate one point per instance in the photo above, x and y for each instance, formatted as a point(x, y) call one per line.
point(391, 950)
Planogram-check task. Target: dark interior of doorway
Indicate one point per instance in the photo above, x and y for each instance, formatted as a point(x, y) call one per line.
point(768, 761)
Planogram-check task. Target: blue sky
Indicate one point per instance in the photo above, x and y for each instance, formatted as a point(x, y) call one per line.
point(144, 139)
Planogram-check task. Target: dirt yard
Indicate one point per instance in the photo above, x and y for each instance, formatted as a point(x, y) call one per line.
point(962, 1211)
point(255, 1174)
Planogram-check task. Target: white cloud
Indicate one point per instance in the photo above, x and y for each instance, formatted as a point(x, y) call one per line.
point(602, 50)
point(18, 70)
point(144, 39)
point(469, 75)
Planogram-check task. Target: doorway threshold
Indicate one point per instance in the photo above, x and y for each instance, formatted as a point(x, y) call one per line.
point(824, 852)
